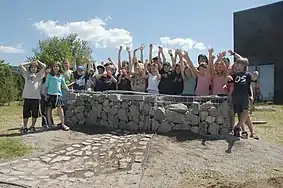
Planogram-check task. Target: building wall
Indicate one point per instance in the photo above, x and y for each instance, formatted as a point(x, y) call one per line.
point(258, 35)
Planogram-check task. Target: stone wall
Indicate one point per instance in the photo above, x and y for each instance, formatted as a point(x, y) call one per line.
point(142, 112)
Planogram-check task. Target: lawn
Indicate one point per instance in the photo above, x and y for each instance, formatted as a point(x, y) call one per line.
point(10, 117)
point(273, 129)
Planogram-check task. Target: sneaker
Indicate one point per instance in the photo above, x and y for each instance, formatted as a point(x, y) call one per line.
point(237, 131)
point(65, 127)
point(245, 135)
point(32, 129)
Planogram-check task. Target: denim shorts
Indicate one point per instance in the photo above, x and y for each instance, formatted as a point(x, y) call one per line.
point(240, 103)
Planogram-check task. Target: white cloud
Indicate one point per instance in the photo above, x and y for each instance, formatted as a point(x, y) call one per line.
point(12, 50)
point(183, 43)
point(94, 31)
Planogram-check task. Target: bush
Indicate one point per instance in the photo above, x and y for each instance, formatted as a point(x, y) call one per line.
point(8, 88)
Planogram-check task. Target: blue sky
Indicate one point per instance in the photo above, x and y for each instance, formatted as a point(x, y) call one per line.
point(188, 24)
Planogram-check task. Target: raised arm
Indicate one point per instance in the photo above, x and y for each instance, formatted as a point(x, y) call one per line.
point(119, 58)
point(237, 56)
point(129, 55)
point(163, 60)
point(23, 68)
point(182, 65)
point(172, 58)
point(190, 63)
point(210, 67)
point(141, 49)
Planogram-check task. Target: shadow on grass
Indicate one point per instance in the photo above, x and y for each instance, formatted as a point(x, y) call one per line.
point(38, 130)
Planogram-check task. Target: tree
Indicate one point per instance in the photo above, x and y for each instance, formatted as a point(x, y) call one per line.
point(59, 49)
point(7, 84)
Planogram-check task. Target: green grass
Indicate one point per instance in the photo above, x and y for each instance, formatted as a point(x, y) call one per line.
point(273, 129)
point(12, 147)
point(11, 118)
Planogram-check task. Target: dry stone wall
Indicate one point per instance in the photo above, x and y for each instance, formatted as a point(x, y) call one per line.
point(140, 112)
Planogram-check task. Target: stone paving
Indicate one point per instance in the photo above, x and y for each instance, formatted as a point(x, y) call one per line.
point(104, 161)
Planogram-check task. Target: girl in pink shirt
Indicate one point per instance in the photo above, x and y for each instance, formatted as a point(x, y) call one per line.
point(219, 75)
point(203, 74)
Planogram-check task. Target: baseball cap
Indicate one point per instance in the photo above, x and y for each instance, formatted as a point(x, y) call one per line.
point(80, 68)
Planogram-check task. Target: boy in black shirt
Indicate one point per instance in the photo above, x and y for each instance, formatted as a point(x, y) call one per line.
point(242, 94)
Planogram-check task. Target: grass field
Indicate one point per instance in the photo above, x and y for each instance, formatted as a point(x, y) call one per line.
point(11, 119)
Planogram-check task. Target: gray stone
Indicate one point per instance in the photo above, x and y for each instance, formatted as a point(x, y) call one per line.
point(61, 158)
point(224, 108)
point(63, 178)
point(131, 125)
point(209, 119)
point(154, 125)
point(122, 115)
point(103, 123)
point(220, 119)
point(106, 103)
point(192, 119)
point(224, 131)
point(79, 109)
point(101, 98)
point(213, 111)
point(164, 127)
point(213, 129)
point(179, 107)
point(123, 165)
point(114, 109)
point(159, 114)
point(146, 109)
point(104, 115)
point(80, 116)
point(195, 107)
point(203, 115)
point(206, 106)
point(113, 121)
point(195, 129)
point(74, 120)
point(134, 113)
point(175, 117)
point(99, 110)
point(114, 97)
point(106, 108)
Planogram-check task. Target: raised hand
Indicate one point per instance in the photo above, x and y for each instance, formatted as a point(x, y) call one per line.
point(102, 62)
point(160, 49)
point(170, 52)
point(231, 52)
point(128, 49)
point(121, 48)
point(142, 47)
point(211, 50)
point(109, 59)
point(150, 45)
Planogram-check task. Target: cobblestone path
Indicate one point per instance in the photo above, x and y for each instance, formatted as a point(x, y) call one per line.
point(104, 161)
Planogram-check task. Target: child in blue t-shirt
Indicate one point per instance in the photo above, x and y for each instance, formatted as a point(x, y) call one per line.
point(55, 82)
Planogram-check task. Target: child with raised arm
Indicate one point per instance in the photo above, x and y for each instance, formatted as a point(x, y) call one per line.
point(137, 69)
point(242, 95)
point(153, 76)
point(189, 79)
point(203, 75)
point(177, 79)
point(124, 79)
point(31, 94)
point(55, 82)
point(166, 81)
point(219, 74)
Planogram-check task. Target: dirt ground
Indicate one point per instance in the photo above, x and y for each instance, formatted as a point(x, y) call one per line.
point(187, 163)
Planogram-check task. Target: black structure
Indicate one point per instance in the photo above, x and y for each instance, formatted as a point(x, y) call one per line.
point(258, 35)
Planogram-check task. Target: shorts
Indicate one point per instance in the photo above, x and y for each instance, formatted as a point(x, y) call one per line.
point(231, 106)
point(240, 104)
point(31, 108)
point(54, 101)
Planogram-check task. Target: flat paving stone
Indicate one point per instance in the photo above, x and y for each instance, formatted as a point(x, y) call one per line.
point(84, 164)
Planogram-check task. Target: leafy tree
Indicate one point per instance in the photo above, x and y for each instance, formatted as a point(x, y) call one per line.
point(59, 49)
point(7, 84)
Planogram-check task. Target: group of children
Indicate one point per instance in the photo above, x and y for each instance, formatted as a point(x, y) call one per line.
point(213, 76)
